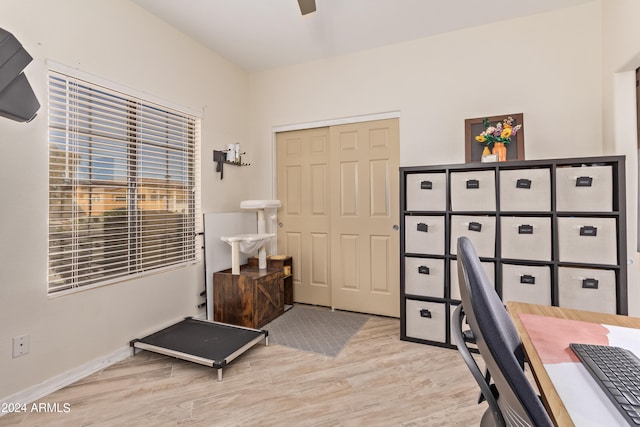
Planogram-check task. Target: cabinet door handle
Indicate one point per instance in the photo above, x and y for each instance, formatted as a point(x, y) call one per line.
point(426, 185)
point(473, 184)
point(475, 226)
point(590, 284)
point(423, 227)
point(424, 312)
point(589, 230)
point(525, 229)
point(528, 279)
point(423, 269)
point(584, 181)
point(523, 183)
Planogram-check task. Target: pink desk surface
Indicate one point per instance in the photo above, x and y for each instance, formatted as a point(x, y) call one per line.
point(586, 403)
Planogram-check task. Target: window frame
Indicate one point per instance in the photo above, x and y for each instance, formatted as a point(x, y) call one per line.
point(188, 179)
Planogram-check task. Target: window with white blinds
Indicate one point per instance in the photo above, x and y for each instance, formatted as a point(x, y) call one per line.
point(122, 185)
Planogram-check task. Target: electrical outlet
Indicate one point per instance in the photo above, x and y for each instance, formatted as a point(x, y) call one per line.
point(20, 345)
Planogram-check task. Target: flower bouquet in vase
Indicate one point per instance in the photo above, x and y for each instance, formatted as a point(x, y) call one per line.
point(496, 138)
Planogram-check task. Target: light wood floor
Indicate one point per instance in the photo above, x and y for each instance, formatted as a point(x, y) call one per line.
point(377, 380)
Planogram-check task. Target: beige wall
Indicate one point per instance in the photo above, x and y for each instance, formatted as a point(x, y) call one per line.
point(546, 66)
point(117, 41)
point(621, 57)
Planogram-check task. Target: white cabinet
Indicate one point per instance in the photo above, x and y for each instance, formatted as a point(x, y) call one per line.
point(526, 237)
point(588, 240)
point(424, 234)
point(526, 283)
point(424, 276)
point(426, 320)
point(473, 191)
point(481, 230)
point(525, 190)
point(587, 289)
point(547, 232)
point(426, 192)
point(584, 188)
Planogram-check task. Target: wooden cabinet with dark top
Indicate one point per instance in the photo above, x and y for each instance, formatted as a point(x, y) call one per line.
point(252, 298)
point(284, 264)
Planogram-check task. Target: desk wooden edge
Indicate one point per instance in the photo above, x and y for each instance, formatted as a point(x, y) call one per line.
point(550, 398)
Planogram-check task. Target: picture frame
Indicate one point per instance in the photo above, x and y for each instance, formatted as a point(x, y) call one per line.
point(474, 127)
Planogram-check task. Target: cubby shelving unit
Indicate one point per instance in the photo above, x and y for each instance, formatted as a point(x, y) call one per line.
point(547, 232)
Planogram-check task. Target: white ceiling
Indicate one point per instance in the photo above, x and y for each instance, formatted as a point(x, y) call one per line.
point(263, 34)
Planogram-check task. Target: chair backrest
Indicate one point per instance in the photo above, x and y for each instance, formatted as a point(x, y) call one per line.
point(498, 341)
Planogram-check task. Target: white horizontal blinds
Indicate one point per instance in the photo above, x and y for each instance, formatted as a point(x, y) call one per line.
point(164, 168)
point(122, 177)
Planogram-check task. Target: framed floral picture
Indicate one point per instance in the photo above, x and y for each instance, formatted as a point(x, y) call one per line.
point(494, 131)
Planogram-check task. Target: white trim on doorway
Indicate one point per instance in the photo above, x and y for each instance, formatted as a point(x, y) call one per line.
point(335, 122)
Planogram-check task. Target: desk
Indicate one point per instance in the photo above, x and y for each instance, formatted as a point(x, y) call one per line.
point(550, 396)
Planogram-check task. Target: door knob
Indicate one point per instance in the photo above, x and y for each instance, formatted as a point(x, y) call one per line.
point(280, 225)
point(396, 227)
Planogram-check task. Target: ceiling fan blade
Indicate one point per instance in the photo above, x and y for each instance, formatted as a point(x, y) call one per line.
point(307, 6)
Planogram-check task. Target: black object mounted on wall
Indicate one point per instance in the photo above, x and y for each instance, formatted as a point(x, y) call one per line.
point(220, 158)
point(307, 6)
point(17, 100)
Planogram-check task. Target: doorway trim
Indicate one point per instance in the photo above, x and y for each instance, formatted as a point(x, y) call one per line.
point(334, 122)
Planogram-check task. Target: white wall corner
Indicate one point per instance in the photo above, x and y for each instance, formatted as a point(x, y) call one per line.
point(626, 143)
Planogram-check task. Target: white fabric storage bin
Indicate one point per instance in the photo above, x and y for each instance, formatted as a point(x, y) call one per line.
point(426, 192)
point(526, 283)
point(488, 267)
point(481, 230)
point(424, 276)
point(465, 324)
point(587, 289)
point(525, 190)
point(473, 191)
point(424, 234)
point(588, 188)
point(526, 237)
point(426, 320)
point(588, 240)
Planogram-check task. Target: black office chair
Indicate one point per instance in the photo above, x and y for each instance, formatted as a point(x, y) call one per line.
point(511, 398)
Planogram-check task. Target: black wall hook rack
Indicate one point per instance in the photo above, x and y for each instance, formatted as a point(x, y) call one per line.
point(220, 158)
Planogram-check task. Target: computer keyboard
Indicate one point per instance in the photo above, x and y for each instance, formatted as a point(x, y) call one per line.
point(617, 372)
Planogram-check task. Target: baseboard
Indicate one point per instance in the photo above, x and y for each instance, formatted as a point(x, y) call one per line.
point(59, 381)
